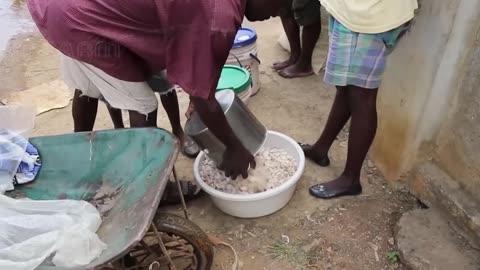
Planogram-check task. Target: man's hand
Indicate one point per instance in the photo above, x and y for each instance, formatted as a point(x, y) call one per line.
point(237, 161)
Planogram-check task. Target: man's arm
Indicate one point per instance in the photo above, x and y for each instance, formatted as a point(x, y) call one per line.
point(237, 159)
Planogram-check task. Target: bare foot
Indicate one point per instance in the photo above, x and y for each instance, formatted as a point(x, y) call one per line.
point(296, 70)
point(342, 186)
point(284, 64)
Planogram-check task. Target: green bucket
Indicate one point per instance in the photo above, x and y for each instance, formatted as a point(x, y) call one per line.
point(235, 78)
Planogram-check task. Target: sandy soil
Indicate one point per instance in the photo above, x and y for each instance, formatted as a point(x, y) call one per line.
point(348, 233)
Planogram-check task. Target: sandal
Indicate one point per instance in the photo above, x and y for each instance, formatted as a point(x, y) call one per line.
point(171, 196)
point(320, 191)
point(189, 148)
point(321, 161)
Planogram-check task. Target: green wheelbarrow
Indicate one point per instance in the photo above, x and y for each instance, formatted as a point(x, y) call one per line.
point(124, 174)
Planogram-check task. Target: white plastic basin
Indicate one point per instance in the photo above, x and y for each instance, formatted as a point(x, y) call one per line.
point(263, 203)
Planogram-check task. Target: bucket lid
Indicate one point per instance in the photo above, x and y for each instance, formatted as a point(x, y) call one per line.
point(245, 36)
point(234, 77)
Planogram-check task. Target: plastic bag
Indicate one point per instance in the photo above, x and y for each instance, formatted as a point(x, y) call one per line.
point(60, 233)
point(19, 119)
point(17, 122)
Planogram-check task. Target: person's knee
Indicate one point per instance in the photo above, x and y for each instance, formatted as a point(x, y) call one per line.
point(140, 119)
point(366, 99)
point(286, 13)
point(143, 105)
point(170, 95)
point(362, 99)
point(84, 101)
point(362, 92)
point(308, 21)
point(78, 94)
point(80, 97)
point(307, 13)
point(342, 90)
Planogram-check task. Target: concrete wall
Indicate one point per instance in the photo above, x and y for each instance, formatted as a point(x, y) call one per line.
point(458, 145)
point(428, 104)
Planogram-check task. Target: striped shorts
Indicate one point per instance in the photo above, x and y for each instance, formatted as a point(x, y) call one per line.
point(358, 59)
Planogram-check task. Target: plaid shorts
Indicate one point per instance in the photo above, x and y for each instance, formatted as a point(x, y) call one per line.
point(358, 59)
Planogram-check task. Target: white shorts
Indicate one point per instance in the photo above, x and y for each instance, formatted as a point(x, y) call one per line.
point(95, 83)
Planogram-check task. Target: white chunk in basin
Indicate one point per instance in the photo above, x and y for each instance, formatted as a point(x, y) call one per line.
point(263, 203)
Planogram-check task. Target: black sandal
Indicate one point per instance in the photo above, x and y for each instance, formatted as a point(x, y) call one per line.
point(171, 195)
point(189, 148)
point(319, 191)
point(323, 161)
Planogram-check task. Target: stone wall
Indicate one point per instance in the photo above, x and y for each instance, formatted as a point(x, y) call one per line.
point(458, 145)
point(425, 74)
point(429, 111)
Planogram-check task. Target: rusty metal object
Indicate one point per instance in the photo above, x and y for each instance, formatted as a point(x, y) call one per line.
point(189, 231)
point(180, 192)
point(173, 243)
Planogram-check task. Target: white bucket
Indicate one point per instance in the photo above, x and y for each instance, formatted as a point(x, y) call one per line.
point(247, 57)
point(263, 203)
point(245, 95)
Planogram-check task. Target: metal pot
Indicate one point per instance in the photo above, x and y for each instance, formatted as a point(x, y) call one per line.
point(244, 124)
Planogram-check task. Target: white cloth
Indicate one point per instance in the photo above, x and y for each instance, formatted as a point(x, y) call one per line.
point(371, 16)
point(95, 83)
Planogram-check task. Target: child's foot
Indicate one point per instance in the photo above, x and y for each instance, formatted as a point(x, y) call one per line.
point(281, 65)
point(313, 155)
point(296, 70)
point(341, 186)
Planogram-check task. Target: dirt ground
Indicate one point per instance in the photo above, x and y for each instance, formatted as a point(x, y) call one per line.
point(347, 233)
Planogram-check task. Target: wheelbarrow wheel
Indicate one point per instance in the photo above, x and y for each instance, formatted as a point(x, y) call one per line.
point(182, 244)
point(182, 228)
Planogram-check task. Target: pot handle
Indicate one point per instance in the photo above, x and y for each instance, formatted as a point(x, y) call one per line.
point(254, 56)
point(238, 60)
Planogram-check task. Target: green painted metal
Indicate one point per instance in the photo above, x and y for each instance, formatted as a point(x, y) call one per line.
point(124, 172)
